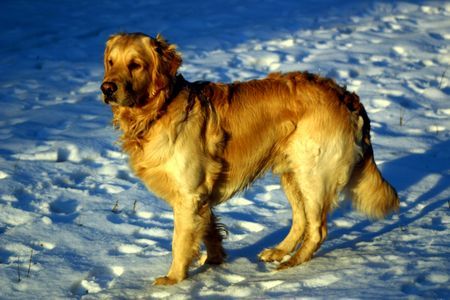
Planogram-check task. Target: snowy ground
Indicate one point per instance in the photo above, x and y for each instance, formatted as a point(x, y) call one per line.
point(67, 197)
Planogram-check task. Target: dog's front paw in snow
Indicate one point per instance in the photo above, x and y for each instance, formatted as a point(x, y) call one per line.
point(164, 280)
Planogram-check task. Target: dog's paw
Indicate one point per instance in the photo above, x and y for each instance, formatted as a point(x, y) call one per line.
point(210, 260)
point(295, 260)
point(286, 265)
point(215, 260)
point(272, 254)
point(165, 281)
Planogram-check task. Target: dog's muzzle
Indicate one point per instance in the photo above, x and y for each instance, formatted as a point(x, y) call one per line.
point(109, 89)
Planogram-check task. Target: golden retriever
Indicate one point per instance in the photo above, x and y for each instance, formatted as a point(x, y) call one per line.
point(197, 144)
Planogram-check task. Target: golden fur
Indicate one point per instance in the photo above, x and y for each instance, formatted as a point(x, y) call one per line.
point(196, 144)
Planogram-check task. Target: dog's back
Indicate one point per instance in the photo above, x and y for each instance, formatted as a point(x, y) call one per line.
point(265, 119)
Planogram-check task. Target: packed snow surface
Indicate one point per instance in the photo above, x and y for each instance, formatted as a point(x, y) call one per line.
point(75, 223)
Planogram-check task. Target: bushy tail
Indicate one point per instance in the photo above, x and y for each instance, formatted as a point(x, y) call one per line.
point(370, 192)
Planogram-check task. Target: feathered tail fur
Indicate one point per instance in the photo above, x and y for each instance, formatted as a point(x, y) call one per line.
point(370, 192)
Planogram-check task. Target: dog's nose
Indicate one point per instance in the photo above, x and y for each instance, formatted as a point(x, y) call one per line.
point(109, 88)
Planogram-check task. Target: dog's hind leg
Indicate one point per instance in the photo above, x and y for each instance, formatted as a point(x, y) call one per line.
point(295, 234)
point(315, 210)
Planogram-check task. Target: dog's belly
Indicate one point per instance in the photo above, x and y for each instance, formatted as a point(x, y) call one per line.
point(247, 157)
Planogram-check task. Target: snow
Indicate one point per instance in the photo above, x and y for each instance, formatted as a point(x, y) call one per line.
point(69, 204)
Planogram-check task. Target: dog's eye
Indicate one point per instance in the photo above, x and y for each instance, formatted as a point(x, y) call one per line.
point(110, 62)
point(133, 66)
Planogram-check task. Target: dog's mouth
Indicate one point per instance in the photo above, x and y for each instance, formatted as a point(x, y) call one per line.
point(114, 101)
point(109, 100)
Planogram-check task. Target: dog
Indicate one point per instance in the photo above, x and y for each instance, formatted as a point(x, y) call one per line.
point(196, 144)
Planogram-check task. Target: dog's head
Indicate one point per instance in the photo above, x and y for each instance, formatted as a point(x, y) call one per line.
point(137, 68)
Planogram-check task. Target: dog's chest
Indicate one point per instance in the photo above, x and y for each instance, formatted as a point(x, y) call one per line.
point(160, 154)
point(168, 166)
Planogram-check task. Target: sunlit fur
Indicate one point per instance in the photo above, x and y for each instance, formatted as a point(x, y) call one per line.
point(196, 145)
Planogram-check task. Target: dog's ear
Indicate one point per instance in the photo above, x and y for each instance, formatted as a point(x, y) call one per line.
point(171, 59)
point(164, 64)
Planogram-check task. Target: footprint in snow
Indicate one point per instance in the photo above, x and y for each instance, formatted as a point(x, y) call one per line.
point(111, 188)
point(437, 36)
point(65, 207)
point(64, 210)
point(379, 61)
point(70, 181)
point(51, 153)
point(343, 74)
point(68, 152)
point(378, 105)
point(5, 256)
point(97, 280)
point(426, 283)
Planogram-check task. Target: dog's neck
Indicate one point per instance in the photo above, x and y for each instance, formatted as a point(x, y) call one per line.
point(136, 121)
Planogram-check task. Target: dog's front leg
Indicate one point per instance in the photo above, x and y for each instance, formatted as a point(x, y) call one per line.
point(190, 223)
